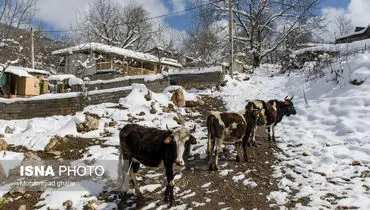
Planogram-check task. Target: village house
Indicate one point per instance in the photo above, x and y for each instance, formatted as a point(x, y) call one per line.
point(24, 82)
point(184, 60)
point(360, 33)
point(95, 58)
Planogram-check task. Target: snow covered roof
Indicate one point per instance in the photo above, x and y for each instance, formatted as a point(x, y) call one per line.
point(61, 77)
point(171, 62)
point(109, 49)
point(355, 33)
point(24, 72)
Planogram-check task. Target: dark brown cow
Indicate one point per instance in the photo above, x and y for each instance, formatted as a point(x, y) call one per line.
point(273, 112)
point(152, 147)
point(225, 126)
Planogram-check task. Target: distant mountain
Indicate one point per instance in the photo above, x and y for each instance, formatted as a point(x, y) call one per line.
point(21, 38)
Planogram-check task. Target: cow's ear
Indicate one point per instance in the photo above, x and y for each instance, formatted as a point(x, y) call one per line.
point(168, 139)
point(193, 140)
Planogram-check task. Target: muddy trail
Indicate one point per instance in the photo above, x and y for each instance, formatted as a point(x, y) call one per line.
point(236, 185)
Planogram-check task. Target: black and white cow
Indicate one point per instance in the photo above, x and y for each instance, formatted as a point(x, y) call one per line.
point(152, 147)
point(273, 112)
point(226, 126)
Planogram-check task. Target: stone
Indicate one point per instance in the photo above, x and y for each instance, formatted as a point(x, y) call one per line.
point(153, 110)
point(200, 102)
point(141, 114)
point(148, 96)
point(112, 123)
point(89, 207)
point(356, 82)
point(22, 207)
point(171, 106)
point(17, 190)
point(306, 154)
point(356, 163)
point(1, 135)
point(3, 144)
point(165, 109)
point(68, 204)
point(2, 200)
point(91, 123)
point(178, 98)
point(187, 110)
point(179, 119)
point(52, 143)
point(9, 130)
point(191, 103)
point(27, 195)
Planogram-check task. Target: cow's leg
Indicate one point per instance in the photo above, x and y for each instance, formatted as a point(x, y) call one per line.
point(253, 137)
point(168, 193)
point(209, 149)
point(218, 149)
point(245, 145)
point(238, 150)
point(273, 133)
point(134, 169)
point(269, 133)
point(211, 161)
point(247, 136)
point(124, 175)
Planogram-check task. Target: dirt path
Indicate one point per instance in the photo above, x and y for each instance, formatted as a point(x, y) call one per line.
point(200, 189)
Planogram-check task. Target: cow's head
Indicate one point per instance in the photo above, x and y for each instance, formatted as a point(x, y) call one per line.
point(288, 106)
point(183, 139)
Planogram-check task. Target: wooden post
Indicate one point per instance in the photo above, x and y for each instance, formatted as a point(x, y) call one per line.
point(32, 50)
point(231, 39)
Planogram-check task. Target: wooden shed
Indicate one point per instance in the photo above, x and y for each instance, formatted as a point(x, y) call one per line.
point(24, 82)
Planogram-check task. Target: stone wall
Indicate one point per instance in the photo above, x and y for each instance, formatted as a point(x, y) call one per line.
point(197, 80)
point(26, 108)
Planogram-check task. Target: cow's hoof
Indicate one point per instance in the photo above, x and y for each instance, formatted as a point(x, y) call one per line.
point(213, 167)
point(245, 158)
point(254, 144)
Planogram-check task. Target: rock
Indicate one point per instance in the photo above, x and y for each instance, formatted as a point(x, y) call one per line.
point(56, 153)
point(191, 103)
point(356, 163)
point(178, 98)
point(179, 119)
point(16, 190)
point(3, 144)
point(9, 130)
point(2, 200)
point(356, 82)
point(1, 135)
point(89, 207)
point(27, 196)
point(153, 110)
point(22, 207)
point(91, 123)
point(129, 115)
point(187, 110)
point(68, 204)
point(52, 143)
point(148, 96)
point(171, 106)
point(306, 154)
point(200, 102)
point(165, 109)
point(112, 123)
point(141, 114)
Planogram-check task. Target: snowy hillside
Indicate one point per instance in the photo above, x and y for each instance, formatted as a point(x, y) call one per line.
point(324, 164)
point(327, 144)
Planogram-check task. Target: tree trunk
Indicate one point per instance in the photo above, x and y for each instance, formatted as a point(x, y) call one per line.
point(256, 60)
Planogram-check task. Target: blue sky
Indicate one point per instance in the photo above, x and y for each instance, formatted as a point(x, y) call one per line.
point(335, 3)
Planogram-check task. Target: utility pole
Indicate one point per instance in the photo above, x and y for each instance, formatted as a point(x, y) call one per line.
point(32, 50)
point(231, 39)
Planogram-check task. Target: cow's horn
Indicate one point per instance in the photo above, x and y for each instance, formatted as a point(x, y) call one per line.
point(292, 98)
point(168, 128)
point(285, 97)
point(193, 129)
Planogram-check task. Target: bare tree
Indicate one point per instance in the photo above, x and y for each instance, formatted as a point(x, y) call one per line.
point(204, 42)
point(266, 24)
point(344, 24)
point(110, 23)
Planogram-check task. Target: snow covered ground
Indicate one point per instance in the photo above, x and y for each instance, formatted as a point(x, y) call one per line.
point(326, 145)
point(327, 142)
